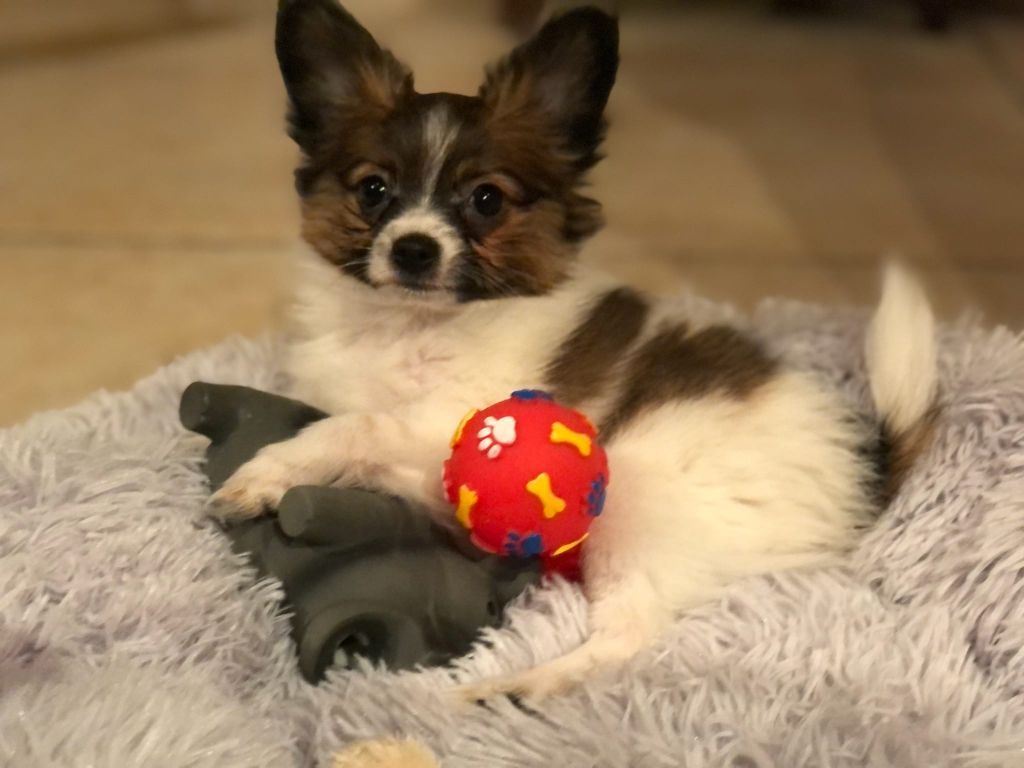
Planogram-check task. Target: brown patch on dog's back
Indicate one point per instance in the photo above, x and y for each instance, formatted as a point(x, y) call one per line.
point(675, 364)
point(588, 357)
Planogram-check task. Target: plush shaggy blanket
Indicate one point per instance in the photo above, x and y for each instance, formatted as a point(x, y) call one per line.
point(130, 635)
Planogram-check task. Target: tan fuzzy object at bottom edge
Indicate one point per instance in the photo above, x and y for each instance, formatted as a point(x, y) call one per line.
point(385, 754)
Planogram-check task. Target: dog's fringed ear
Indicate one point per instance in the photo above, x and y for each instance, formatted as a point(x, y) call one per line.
point(562, 75)
point(331, 65)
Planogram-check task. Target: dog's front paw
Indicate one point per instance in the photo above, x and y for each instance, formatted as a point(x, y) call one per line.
point(255, 488)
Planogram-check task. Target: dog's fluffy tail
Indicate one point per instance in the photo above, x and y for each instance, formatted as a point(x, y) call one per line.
point(900, 352)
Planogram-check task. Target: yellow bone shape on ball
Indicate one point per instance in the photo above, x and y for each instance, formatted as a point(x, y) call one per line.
point(540, 487)
point(571, 545)
point(562, 434)
point(467, 500)
point(457, 436)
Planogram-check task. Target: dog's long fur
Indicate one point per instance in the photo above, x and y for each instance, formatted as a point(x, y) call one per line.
point(725, 461)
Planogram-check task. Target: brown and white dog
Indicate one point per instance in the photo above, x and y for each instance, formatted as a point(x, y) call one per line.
point(441, 274)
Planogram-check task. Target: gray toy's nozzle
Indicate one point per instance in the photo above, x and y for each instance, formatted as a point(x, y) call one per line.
point(239, 421)
point(205, 409)
point(369, 517)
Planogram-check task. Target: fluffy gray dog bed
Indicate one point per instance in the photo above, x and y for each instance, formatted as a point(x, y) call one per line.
point(131, 636)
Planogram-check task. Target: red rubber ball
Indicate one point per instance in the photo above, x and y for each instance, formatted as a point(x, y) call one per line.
point(527, 477)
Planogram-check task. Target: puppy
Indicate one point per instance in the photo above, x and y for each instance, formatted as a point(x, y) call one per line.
point(441, 274)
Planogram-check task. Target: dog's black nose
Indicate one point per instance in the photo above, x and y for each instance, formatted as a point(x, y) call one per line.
point(415, 255)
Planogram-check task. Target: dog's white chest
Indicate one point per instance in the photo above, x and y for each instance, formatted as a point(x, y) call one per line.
point(415, 367)
point(372, 371)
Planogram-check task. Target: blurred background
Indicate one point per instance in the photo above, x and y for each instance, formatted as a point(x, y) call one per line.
point(777, 147)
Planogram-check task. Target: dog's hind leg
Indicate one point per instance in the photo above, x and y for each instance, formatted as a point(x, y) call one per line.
point(623, 621)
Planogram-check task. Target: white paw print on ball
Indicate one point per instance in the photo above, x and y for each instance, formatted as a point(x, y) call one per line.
point(496, 435)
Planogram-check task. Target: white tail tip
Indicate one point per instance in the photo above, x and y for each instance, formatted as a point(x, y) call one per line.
point(900, 351)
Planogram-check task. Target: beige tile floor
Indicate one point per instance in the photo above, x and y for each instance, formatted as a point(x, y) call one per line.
point(146, 208)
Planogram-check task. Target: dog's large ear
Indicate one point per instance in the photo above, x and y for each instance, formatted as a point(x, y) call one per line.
point(331, 65)
point(562, 75)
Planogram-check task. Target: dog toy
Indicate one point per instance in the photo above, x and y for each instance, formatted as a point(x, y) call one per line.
point(363, 574)
point(527, 477)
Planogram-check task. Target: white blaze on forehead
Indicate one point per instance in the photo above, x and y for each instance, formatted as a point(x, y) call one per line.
point(439, 133)
point(420, 220)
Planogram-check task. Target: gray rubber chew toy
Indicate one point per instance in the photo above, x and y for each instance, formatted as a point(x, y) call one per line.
point(364, 574)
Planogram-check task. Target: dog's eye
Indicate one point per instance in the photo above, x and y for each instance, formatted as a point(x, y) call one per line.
point(373, 192)
point(487, 200)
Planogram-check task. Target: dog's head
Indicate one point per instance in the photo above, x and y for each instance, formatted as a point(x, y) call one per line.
point(446, 197)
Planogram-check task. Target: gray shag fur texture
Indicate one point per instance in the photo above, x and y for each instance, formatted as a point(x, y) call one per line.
point(131, 636)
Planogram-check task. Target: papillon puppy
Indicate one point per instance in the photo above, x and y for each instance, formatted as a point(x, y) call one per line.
point(441, 273)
